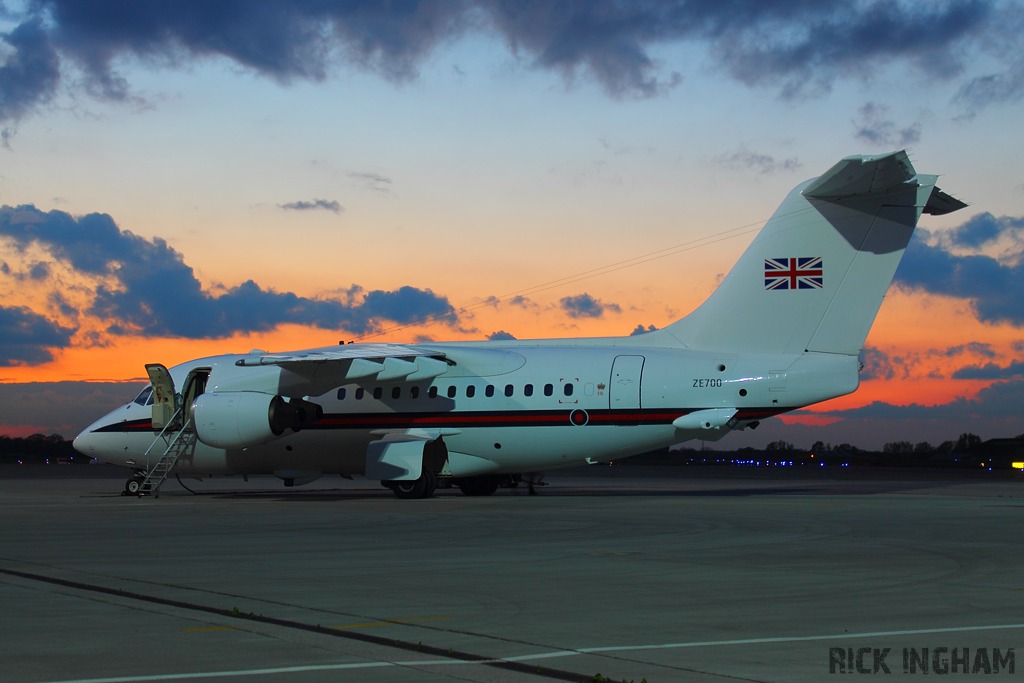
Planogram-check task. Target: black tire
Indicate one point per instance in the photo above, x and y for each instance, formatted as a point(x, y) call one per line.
point(132, 486)
point(483, 485)
point(408, 490)
point(431, 483)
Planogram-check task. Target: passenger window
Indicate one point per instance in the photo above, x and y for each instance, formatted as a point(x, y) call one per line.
point(528, 390)
point(414, 392)
point(359, 394)
point(548, 390)
point(451, 391)
point(470, 391)
point(489, 391)
point(509, 390)
point(432, 392)
point(396, 392)
point(341, 394)
point(378, 392)
point(568, 389)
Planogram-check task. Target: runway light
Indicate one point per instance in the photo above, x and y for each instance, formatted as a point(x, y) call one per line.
point(1017, 465)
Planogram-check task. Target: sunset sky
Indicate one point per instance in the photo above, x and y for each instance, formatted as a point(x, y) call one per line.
point(181, 179)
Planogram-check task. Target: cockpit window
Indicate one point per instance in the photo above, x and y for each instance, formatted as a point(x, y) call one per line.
point(146, 397)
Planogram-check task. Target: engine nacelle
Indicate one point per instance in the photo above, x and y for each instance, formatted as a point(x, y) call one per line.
point(239, 419)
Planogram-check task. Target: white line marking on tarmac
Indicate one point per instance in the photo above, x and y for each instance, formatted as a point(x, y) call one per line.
point(545, 655)
point(755, 641)
point(281, 670)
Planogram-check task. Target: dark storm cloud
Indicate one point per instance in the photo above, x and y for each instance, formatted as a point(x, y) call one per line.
point(26, 337)
point(796, 44)
point(500, 335)
point(586, 306)
point(874, 127)
point(156, 293)
point(331, 205)
point(995, 290)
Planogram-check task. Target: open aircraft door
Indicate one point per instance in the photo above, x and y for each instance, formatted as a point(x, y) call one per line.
point(165, 401)
point(624, 387)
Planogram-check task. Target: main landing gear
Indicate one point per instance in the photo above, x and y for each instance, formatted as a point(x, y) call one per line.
point(481, 485)
point(417, 488)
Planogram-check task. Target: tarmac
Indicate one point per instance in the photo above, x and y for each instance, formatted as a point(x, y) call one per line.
point(663, 574)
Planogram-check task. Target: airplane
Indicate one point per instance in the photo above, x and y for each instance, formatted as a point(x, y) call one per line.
point(782, 331)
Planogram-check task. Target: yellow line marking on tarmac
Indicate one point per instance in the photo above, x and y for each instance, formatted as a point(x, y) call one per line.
point(388, 623)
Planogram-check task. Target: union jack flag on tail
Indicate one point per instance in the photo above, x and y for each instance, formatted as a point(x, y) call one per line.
point(804, 272)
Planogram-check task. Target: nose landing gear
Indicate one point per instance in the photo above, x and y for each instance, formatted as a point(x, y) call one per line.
point(134, 483)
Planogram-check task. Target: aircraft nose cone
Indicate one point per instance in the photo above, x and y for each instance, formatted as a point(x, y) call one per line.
point(85, 443)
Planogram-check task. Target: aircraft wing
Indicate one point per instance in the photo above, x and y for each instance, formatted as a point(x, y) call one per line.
point(341, 353)
point(381, 362)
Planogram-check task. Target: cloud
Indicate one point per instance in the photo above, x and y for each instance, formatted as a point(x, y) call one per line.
point(500, 335)
point(877, 365)
point(997, 88)
point(26, 337)
point(373, 181)
point(800, 46)
point(990, 371)
point(39, 271)
point(874, 127)
point(64, 407)
point(806, 45)
point(743, 158)
point(995, 290)
point(982, 229)
point(523, 302)
point(979, 348)
point(31, 71)
point(640, 329)
point(1001, 399)
point(325, 204)
point(586, 306)
point(145, 287)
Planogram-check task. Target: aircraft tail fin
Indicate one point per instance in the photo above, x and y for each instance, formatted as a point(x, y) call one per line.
point(814, 277)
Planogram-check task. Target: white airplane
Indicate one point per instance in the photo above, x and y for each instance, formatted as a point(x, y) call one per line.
point(782, 331)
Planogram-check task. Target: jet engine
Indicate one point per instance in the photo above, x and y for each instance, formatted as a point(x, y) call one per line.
point(239, 419)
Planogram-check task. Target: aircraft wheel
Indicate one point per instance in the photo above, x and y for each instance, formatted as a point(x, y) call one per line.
point(431, 483)
point(483, 485)
point(132, 486)
point(407, 490)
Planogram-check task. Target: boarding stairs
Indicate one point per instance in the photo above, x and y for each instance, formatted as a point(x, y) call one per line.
point(183, 441)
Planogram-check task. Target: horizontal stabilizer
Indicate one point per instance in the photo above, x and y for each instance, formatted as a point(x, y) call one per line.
point(862, 175)
point(940, 203)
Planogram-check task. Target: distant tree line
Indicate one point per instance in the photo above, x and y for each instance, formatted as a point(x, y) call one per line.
point(38, 448)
